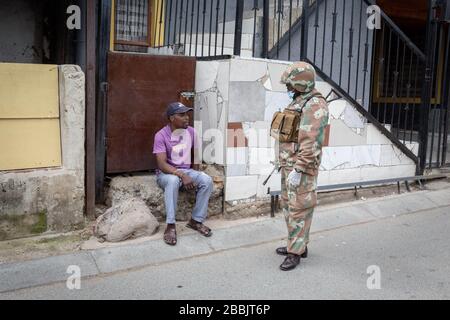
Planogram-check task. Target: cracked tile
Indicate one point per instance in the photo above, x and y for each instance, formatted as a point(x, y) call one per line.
point(247, 70)
point(206, 75)
point(247, 101)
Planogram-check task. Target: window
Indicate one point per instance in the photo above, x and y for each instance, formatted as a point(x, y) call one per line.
point(132, 25)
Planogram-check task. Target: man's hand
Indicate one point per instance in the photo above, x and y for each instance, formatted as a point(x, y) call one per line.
point(188, 183)
point(294, 178)
point(161, 159)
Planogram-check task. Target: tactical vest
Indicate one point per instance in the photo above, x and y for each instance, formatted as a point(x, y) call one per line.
point(285, 124)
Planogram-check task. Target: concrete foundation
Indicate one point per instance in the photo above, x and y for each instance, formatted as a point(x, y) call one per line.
point(145, 187)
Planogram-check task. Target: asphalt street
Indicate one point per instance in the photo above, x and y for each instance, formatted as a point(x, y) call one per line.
point(397, 257)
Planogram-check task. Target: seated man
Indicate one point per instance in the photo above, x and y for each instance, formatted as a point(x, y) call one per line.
point(173, 149)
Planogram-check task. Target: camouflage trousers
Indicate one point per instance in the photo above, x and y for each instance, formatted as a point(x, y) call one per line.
point(298, 205)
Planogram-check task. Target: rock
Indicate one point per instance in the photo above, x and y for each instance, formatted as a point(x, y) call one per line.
point(144, 187)
point(128, 220)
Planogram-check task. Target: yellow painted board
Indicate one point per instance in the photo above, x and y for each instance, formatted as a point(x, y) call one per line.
point(28, 91)
point(157, 28)
point(112, 34)
point(29, 144)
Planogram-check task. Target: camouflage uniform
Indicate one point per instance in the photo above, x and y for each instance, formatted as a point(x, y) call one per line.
point(305, 156)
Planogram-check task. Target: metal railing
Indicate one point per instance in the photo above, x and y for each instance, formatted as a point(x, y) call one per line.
point(334, 37)
point(434, 115)
point(380, 71)
point(200, 28)
point(212, 28)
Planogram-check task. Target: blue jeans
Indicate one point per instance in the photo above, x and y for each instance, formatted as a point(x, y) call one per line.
point(171, 185)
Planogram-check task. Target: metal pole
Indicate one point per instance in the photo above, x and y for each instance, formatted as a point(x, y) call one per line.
point(265, 37)
point(304, 31)
point(426, 91)
point(90, 31)
point(446, 97)
point(238, 27)
point(102, 62)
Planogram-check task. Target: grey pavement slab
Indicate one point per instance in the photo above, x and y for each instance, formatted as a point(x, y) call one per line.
point(411, 251)
point(147, 253)
point(155, 252)
point(341, 216)
point(38, 272)
point(248, 234)
point(392, 206)
point(440, 198)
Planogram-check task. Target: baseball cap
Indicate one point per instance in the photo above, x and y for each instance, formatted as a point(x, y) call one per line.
point(177, 107)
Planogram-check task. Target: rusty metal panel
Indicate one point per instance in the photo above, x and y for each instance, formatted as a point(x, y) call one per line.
point(140, 87)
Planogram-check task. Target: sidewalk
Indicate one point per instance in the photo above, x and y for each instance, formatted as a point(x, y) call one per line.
point(135, 255)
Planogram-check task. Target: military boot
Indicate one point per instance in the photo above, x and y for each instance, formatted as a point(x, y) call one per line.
point(291, 261)
point(282, 251)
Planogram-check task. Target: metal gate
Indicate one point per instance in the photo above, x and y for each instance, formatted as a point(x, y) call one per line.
point(434, 141)
point(140, 87)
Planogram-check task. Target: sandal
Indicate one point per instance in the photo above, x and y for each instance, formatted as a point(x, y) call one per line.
point(170, 236)
point(200, 227)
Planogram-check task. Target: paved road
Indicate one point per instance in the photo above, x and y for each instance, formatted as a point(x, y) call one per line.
point(412, 252)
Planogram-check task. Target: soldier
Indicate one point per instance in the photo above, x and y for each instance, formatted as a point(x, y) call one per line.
point(300, 161)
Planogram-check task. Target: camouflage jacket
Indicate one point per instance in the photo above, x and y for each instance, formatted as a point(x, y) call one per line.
point(306, 155)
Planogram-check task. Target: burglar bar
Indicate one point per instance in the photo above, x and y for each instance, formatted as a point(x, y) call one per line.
point(238, 27)
point(224, 21)
point(386, 57)
point(217, 25)
point(210, 26)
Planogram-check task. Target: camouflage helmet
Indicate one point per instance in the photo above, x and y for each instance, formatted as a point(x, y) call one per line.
point(301, 76)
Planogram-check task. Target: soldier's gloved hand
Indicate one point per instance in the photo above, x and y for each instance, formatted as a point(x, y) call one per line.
point(294, 178)
point(276, 164)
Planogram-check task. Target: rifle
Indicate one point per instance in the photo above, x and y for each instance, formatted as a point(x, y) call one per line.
point(276, 168)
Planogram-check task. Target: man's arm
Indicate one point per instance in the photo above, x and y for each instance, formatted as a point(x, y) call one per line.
point(311, 136)
point(161, 160)
point(196, 152)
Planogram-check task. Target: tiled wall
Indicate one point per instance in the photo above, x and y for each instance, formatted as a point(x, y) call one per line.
point(239, 96)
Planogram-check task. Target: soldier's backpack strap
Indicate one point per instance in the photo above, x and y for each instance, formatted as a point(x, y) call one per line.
point(310, 98)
